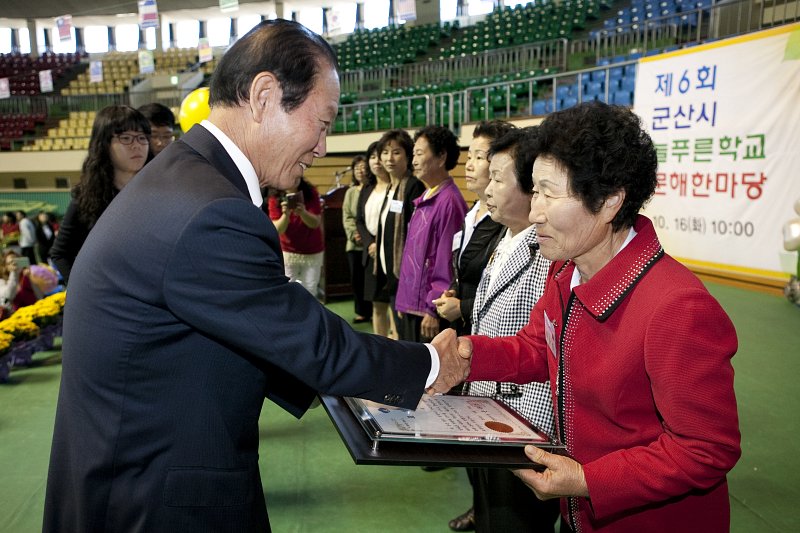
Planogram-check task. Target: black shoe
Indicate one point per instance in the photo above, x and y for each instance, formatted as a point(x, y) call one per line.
point(433, 468)
point(361, 320)
point(464, 522)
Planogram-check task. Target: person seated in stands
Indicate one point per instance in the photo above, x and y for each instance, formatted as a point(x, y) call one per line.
point(16, 288)
point(10, 229)
point(162, 126)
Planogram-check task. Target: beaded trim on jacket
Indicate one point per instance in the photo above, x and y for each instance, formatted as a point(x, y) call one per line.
point(601, 299)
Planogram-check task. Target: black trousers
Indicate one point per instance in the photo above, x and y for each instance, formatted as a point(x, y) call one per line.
point(503, 503)
point(29, 253)
point(361, 306)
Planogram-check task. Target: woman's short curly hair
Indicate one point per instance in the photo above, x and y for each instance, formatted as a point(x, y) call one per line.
point(441, 141)
point(603, 149)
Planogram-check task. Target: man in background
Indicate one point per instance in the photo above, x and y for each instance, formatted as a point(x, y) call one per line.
point(27, 236)
point(162, 126)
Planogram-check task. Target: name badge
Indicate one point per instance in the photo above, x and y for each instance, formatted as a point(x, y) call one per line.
point(396, 206)
point(457, 241)
point(550, 336)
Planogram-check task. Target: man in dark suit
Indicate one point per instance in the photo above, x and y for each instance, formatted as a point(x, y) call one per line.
point(180, 320)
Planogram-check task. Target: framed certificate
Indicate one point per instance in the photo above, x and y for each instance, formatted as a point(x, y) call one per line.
point(442, 431)
point(451, 419)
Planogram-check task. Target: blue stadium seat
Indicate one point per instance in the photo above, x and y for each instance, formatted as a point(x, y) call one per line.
point(621, 98)
point(628, 83)
point(592, 88)
point(563, 91)
point(567, 102)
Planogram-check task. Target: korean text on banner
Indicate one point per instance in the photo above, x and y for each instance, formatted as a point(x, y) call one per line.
point(725, 120)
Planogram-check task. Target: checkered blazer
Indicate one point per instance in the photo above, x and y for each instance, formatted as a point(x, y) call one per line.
point(504, 311)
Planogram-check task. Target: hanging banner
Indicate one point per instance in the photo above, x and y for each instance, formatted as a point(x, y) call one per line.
point(46, 81)
point(5, 88)
point(95, 71)
point(407, 10)
point(64, 26)
point(148, 14)
point(146, 62)
point(204, 51)
point(333, 21)
point(228, 5)
point(725, 120)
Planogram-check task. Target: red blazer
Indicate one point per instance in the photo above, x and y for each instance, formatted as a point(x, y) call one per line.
point(648, 405)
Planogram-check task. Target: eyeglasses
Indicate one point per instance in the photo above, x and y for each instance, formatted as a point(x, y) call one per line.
point(166, 138)
point(127, 139)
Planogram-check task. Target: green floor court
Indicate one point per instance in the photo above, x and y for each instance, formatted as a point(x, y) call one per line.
point(313, 486)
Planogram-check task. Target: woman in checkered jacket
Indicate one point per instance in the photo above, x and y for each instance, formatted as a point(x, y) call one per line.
point(511, 283)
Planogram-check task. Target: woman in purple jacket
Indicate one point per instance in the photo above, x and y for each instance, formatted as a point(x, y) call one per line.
point(425, 272)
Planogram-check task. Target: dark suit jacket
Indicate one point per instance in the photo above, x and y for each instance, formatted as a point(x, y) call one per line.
point(43, 242)
point(179, 322)
point(469, 268)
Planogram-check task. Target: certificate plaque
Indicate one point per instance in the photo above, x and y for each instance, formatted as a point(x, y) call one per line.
point(452, 419)
point(442, 431)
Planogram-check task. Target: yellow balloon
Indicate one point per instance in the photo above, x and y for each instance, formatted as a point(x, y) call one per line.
point(194, 108)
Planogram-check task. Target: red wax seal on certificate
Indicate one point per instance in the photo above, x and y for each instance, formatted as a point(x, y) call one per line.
point(498, 426)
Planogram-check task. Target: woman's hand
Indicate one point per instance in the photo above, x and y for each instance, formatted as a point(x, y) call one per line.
point(429, 327)
point(561, 477)
point(309, 219)
point(372, 250)
point(448, 306)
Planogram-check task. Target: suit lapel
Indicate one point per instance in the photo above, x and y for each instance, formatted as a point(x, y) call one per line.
point(204, 143)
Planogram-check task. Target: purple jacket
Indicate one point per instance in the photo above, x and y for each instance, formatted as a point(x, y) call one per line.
point(426, 269)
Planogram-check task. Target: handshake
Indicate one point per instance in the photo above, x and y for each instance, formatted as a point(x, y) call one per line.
point(455, 354)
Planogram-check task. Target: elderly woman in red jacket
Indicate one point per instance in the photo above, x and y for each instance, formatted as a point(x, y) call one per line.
point(638, 353)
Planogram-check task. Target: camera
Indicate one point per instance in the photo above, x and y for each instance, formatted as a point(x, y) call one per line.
point(292, 199)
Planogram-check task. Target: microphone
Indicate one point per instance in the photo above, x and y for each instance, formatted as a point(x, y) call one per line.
point(534, 247)
point(340, 173)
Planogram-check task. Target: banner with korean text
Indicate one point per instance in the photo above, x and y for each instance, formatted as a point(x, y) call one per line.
point(725, 118)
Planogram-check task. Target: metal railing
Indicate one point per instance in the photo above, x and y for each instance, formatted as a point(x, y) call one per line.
point(521, 58)
point(722, 19)
point(502, 100)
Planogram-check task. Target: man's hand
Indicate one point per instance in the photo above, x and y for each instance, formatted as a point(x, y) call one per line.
point(455, 354)
point(562, 476)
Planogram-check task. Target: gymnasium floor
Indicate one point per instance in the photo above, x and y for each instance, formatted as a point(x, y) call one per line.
point(312, 485)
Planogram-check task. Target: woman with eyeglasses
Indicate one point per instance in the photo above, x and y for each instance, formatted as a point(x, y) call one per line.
point(117, 151)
